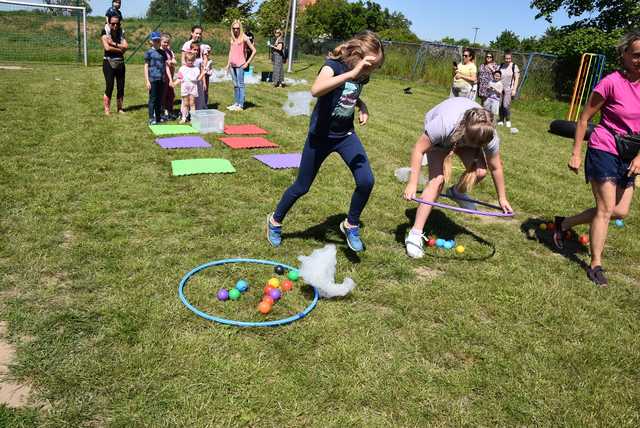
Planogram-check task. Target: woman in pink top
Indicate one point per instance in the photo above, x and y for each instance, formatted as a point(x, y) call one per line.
point(617, 97)
point(238, 63)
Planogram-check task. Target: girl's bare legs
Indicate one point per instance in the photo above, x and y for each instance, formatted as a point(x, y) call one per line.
point(192, 103)
point(608, 198)
point(472, 161)
point(434, 187)
point(184, 109)
point(621, 210)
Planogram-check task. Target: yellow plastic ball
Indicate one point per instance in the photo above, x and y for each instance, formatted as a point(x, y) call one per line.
point(460, 249)
point(543, 226)
point(274, 282)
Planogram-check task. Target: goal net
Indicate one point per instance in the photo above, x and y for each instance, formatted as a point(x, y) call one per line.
point(38, 32)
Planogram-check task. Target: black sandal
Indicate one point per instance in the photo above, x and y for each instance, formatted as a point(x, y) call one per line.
point(558, 233)
point(596, 275)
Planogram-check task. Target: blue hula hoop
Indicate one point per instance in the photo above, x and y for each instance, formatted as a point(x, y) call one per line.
point(185, 301)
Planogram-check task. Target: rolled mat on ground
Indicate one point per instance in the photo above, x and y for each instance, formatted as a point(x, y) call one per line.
point(566, 128)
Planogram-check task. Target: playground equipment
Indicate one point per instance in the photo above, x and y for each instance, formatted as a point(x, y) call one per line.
point(589, 74)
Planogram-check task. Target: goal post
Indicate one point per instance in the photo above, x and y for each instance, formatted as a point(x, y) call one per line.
point(43, 32)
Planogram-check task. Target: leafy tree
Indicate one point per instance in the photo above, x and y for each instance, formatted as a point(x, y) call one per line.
point(214, 10)
point(460, 42)
point(179, 9)
point(604, 14)
point(339, 19)
point(529, 44)
point(272, 14)
point(55, 11)
point(398, 35)
point(569, 45)
point(506, 40)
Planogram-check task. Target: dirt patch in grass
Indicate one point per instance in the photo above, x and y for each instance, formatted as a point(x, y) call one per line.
point(12, 394)
point(427, 273)
point(14, 67)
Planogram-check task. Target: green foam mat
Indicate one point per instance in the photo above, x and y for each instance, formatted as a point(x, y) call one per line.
point(201, 166)
point(172, 129)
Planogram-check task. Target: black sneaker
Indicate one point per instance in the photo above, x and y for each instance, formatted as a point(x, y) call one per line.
point(558, 233)
point(596, 275)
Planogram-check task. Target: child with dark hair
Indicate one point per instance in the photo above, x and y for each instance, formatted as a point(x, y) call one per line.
point(114, 10)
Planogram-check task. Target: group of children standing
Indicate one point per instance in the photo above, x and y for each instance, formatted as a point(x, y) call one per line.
point(160, 76)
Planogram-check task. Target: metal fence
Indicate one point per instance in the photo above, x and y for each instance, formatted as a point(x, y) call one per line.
point(431, 62)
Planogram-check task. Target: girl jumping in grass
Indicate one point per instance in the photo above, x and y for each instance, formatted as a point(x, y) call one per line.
point(460, 126)
point(609, 168)
point(338, 87)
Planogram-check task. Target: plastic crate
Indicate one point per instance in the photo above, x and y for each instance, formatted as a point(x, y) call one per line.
point(208, 121)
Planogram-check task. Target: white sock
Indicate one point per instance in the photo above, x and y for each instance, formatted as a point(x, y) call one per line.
point(415, 232)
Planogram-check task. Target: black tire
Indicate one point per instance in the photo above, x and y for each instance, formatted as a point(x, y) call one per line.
point(567, 129)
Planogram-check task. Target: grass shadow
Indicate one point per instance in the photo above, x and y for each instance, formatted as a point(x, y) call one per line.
point(531, 229)
point(328, 232)
point(440, 225)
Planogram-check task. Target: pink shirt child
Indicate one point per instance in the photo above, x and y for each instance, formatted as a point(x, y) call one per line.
point(620, 112)
point(237, 54)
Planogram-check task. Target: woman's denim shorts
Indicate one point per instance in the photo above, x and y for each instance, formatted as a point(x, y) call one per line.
point(602, 166)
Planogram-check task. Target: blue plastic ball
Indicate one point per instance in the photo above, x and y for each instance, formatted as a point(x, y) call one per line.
point(440, 243)
point(448, 245)
point(242, 286)
point(619, 223)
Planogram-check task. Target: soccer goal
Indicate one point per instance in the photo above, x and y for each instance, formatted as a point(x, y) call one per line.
point(37, 32)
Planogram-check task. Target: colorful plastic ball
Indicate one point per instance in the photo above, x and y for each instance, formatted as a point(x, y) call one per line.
point(279, 270)
point(583, 239)
point(440, 243)
point(543, 226)
point(293, 275)
point(619, 222)
point(264, 307)
point(234, 294)
point(448, 245)
point(269, 300)
point(267, 289)
point(460, 249)
point(274, 282)
point(551, 227)
point(275, 294)
point(287, 285)
point(242, 286)
point(223, 294)
point(431, 242)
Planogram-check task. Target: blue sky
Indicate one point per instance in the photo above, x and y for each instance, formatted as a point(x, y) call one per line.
point(433, 19)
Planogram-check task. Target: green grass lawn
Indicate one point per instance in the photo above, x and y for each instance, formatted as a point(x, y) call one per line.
point(96, 234)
